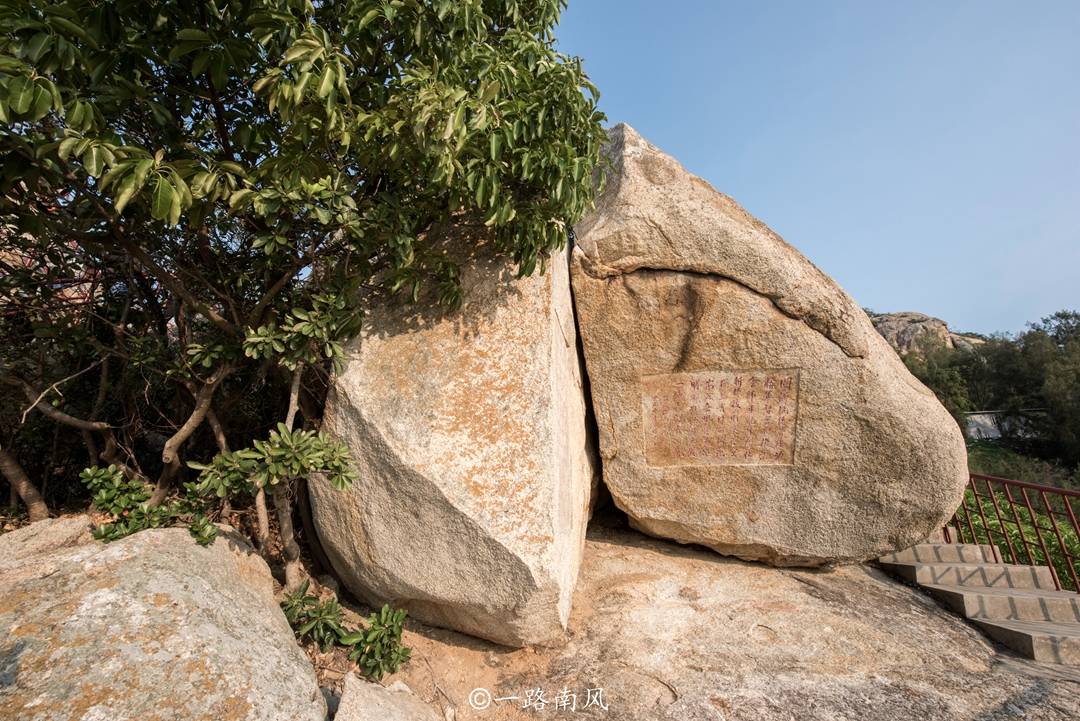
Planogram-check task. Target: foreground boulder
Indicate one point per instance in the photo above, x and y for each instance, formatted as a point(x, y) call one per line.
point(468, 430)
point(744, 401)
point(149, 627)
point(365, 701)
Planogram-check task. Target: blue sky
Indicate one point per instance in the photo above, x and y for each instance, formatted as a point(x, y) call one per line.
point(926, 155)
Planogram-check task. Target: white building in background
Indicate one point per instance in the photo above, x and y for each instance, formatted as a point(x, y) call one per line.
point(988, 425)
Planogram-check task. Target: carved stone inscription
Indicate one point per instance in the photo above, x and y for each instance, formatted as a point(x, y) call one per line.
point(721, 418)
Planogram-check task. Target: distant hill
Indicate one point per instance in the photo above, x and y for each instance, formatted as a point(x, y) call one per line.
point(910, 332)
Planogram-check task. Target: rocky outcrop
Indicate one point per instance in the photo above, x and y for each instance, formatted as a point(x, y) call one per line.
point(673, 633)
point(468, 431)
point(919, 333)
point(744, 401)
point(149, 627)
point(364, 701)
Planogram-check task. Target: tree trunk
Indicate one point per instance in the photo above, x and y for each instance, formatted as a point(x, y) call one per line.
point(290, 551)
point(16, 476)
point(170, 454)
point(263, 518)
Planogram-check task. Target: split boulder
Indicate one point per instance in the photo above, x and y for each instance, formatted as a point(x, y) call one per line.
point(744, 401)
point(468, 431)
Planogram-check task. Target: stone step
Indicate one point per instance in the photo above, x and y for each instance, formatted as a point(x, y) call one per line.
point(997, 575)
point(1009, 604)
point(944, 553)
point(1040, 640)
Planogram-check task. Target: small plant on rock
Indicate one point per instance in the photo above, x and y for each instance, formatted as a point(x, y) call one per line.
point(113, 492)
point(127, 499)
point(378, 650)
point(320, 621)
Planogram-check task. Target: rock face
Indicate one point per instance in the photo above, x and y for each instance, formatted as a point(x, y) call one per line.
point(149, 627)
point(678, 634)
point(363, 701)
point(744, 401)
point(918, 333)
point(468, 430)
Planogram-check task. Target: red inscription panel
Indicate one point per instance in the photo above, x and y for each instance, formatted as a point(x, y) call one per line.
point(721, 418)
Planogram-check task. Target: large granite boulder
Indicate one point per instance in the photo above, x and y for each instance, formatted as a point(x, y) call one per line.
point(744, 401)
point(149, 627)
point(468, 430)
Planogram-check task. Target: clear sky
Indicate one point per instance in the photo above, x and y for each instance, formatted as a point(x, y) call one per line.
point(926, 155)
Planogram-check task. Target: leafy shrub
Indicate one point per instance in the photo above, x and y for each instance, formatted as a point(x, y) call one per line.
point(993, 459)
point(126, 500)
point(320, 621)
point(113, 492)
point(283, 456)
point(377, 649)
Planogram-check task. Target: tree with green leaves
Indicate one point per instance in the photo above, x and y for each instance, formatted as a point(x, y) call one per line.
point(197, 198)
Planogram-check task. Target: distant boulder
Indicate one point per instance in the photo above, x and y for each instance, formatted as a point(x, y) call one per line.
point(910, 332)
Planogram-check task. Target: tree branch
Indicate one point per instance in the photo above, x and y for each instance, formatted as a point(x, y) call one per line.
point(176, 286)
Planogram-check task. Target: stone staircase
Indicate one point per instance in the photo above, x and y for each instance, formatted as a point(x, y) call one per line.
point(1017, 606)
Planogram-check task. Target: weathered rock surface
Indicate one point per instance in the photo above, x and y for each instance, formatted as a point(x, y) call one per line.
point(468, 430)
point(680, 634)
point(364, 701)
point(744, 401)
point(909, 332)
point(45, 536)
point(151, 627)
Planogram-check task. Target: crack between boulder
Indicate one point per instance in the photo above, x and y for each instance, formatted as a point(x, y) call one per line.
point(595, 269)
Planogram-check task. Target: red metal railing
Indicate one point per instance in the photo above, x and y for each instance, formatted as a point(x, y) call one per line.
point(1043, 532)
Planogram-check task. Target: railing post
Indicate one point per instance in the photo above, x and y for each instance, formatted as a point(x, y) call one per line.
point(1001, 521)
point(1061, 542)
point(982, 514)
point(1019, 526)
point(1038, 535)
point(967, 513)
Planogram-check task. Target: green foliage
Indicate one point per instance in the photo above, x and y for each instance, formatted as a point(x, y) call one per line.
point(1031, 380)
point(125, 499)
point(1030, 526)
point(320, 621)
point(138, 519)
point(942, 371)
point(284, 456)
point(993, 459)
point(113, 492)
point(377, 649)
point(198, 198)
point(202, 530)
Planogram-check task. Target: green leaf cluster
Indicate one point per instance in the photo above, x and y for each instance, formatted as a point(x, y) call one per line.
point(376, 649)
point(320, 621)
point(125, 499)
point(284, 456)
point(113, 492)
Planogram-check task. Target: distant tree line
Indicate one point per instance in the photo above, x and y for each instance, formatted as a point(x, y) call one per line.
point(1032, 379)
